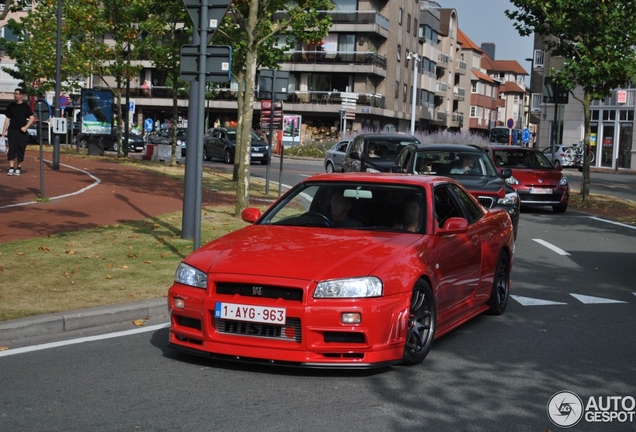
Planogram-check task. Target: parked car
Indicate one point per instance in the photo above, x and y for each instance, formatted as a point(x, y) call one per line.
point(109, 142)
point(561, 158)
point(164, 136)
point(220, 143)
point(484, 182)
point(536, 180)
point(324, 295)
point(375, 152)
point(335, 156)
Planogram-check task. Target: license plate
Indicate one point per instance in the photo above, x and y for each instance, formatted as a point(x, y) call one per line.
point(239, 312)
point(257, 154)
point(540, 191)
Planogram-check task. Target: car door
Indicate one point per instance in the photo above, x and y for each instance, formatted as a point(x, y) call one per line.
point(216, 150)
point(339, 154)
point(458, 255)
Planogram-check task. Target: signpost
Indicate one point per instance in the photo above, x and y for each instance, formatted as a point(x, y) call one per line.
point(510, 123)
point(349, 102)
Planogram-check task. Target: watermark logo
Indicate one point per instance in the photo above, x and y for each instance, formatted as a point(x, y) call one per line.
point(565, 409)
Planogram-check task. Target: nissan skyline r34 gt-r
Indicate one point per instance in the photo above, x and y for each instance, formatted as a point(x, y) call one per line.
point(350, 270)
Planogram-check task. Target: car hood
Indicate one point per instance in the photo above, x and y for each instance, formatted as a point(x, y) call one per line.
point(483, 185)
point(299, 252)
point(540, 177)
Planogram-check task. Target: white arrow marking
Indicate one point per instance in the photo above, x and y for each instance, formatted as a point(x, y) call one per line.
point(551, 247)
point(527, 301)
point(594, 300)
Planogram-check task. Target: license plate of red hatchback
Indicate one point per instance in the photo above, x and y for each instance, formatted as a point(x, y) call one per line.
point(239, 312)
point(540, 191)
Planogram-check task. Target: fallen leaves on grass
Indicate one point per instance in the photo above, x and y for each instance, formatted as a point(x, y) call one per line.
point(70, 252)
point(44, 249)
point(139, 322)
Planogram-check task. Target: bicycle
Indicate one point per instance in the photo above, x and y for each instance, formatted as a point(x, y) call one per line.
point(575, 153)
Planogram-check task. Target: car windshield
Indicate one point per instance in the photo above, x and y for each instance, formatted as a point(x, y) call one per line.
point(522, 159)
point(451, 163)
point(350, 206)
point(387, 148)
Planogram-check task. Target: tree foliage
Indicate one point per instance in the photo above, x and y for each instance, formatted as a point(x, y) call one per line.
point(254, 29)
point(597, 40)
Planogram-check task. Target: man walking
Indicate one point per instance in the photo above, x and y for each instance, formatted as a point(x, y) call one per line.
point(19, 118)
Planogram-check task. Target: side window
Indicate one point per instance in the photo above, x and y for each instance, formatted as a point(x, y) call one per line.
point(342, 147)
point(473, 212)
point(445, 205)
point(404, 158)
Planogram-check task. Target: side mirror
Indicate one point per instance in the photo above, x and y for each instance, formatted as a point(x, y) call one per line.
point(454, 225)
point(397, 169)
point(250, 215)
point(506, 173)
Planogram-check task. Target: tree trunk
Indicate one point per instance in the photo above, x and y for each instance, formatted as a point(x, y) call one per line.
point(246, 113)
point(587, 124)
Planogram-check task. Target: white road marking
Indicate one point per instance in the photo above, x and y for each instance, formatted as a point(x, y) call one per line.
point(82, 340)
point(594, 300)
point(551, 247)
point(612, 222)
point(95, 183)
point(528, 301)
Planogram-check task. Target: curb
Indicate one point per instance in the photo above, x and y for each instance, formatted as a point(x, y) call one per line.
point(57, 323)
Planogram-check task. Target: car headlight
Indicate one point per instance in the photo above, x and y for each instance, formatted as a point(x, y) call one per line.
point(563, 181)
point(349, 288)
point(188, 275)
point(512, 181)
point(511, 198)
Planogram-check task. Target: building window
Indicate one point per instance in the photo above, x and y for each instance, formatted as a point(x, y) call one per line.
point(399, 53)
point(397, 89)
point(473, 111)
point(408, 23)
point(473, 87)
point(400, 13)
point(404, 93)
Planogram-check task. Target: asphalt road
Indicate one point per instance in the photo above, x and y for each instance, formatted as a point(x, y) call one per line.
point(569, 326)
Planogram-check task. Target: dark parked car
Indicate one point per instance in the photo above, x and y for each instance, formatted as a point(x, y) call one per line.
point(164, 136)
point(481, 178)
point(135, 142)
point(375, 152)
point(335, 156)
point(220, 143)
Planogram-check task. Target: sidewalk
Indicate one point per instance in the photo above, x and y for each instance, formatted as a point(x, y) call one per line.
point(84, 193)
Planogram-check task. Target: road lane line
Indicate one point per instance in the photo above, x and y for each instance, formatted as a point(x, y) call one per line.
point(551, 247)
point(612, 222)
point(45, 346)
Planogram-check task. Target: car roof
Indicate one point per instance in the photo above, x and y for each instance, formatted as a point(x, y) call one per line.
point(381, 135)
point(514, 148)
point(382, 178)
point(449, 147)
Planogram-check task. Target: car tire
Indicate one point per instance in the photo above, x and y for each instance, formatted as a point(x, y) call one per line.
point(329, 167)
point(421, 324)
point(500, 285)
point(560, 208)
point(227, 157)
point(83, 143)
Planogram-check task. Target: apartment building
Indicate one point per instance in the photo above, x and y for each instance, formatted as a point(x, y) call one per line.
point(612, 127)
point(383, 51)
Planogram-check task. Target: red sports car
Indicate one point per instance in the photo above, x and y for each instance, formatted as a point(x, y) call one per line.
point(536, 180)
point(350, 270)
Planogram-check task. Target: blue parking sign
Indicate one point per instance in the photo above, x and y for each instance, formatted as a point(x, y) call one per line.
point(131, 106)
point(149, 125)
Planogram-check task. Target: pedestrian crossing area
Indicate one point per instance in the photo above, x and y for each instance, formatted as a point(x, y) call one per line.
point(585, 299)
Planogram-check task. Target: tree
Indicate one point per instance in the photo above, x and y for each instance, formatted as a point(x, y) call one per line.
point(596, 39)
point(165, 32)
point(254, 29)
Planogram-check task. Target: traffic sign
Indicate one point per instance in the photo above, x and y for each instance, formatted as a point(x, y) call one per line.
point(149, 125)
point(59, 125)
point(218, 63)
point(63, 101)
point(216, 11)
point(525, 136)
point(510, 123)
point(131, 106)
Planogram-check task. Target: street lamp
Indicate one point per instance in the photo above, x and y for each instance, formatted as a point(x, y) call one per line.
point(416, 59)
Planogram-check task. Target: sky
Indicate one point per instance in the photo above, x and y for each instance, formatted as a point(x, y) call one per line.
point(485, 21)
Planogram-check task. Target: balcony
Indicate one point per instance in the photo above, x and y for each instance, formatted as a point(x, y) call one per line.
point(535, 102)
point(441, 89)
point(340, 61)
point(332, 101)
point(443, 61)
point(440, 116)
point(351, 21)
point(457, 119)
point(459, 93)
point(461, 67)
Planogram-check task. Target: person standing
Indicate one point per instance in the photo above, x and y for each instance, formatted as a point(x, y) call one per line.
point(16, 126)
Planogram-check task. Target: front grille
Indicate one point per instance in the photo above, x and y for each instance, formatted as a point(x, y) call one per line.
point(253, 290)
point(344, 337)
point(290, 331)
point(188, 322)
point(487, 202)
point(539, 198)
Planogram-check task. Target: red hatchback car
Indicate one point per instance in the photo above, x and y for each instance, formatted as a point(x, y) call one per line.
point(537, 181)
point(353, 270)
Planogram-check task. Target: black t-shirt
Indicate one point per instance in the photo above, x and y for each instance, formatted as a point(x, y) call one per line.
point(18, 114)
